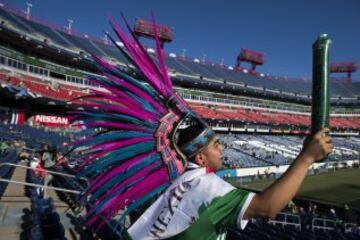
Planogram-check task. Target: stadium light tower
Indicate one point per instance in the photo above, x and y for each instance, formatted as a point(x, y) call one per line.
point(345, 67)
point(28, 10)
point(70, 22)
point(145, 29)
point(250, 56)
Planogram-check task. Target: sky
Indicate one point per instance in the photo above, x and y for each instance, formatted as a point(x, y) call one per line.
point(282, 29)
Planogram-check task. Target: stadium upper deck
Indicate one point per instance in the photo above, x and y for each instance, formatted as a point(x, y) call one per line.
point(202, 75)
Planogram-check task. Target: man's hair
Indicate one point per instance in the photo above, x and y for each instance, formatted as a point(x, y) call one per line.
point(188, 134)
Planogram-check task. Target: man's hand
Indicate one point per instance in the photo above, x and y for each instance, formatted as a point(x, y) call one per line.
point(277, 195)
point(317, 147)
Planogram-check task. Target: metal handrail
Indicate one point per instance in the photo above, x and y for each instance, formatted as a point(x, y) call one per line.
point(285, 222)
point(42, 170)
point(45, 186)
point(349, 226)
point(40, 186)
point(324, 220)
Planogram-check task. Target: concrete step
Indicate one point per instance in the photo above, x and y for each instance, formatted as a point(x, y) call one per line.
point(10, 232)
point(14, 194)
point(14, 201)
point(10, 227)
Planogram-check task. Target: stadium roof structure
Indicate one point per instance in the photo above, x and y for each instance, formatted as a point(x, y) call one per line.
point(10, 97)
point(58, 43)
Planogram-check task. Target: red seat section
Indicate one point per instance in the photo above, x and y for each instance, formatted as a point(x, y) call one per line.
point(58, 91)
point(217, 112)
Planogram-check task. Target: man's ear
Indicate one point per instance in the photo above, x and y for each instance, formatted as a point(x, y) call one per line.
point(200, 159)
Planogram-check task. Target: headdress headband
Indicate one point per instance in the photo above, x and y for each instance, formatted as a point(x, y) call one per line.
point(201, 141)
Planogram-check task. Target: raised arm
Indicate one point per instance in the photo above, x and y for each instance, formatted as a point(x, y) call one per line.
point(274, 198)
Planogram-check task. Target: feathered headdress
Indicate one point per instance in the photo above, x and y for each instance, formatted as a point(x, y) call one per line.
point(135, 157)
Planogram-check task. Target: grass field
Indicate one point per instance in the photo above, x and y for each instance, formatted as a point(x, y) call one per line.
point(335, 188)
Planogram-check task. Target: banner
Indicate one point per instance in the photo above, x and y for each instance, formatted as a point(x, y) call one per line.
point(51, 121)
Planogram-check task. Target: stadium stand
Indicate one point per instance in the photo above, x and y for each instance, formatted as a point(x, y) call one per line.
point(39, 87)
point(267, 231)
point(15, 22)
point(66, 92)
point(246, 151)
point(33, 137)
point(266, 117)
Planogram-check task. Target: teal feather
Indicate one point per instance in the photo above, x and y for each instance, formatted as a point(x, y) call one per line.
point(116, 117)
point(125, 175)
point(117, 85)
point(117, 156)
point(146, 88)
point(122, 189)
point(141, 201)
point(107, 137)
point(145, 104)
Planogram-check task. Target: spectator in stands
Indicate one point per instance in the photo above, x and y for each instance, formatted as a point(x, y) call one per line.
point(295, 209)
point(22, 93)
point(34, 160)
point(17, 144)
point(50, 157)
point(44, 151)
point(4, 147)
point(303, 217)
point(347, 215)
point(306, 217)
point(41, 158)
point(350, 215)
point(290, 206)
point(38, 166)
point(332, 214)
point(313, 210)
point(61, 160)
point(24, 156)
point(39, 172)
point(205, 204)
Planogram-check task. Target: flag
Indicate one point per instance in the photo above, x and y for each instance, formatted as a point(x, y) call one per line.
point(17, 118)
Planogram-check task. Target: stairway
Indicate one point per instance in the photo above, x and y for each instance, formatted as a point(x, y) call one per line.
point(14, 201)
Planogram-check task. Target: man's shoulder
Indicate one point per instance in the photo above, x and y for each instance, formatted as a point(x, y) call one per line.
point(204, 185)
point(199, 175)
point(212, 183)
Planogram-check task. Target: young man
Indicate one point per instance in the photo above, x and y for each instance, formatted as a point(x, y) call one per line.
point(200, 205)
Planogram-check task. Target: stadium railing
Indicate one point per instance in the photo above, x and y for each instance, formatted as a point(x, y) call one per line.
point(286, 219)
point(323, 224)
